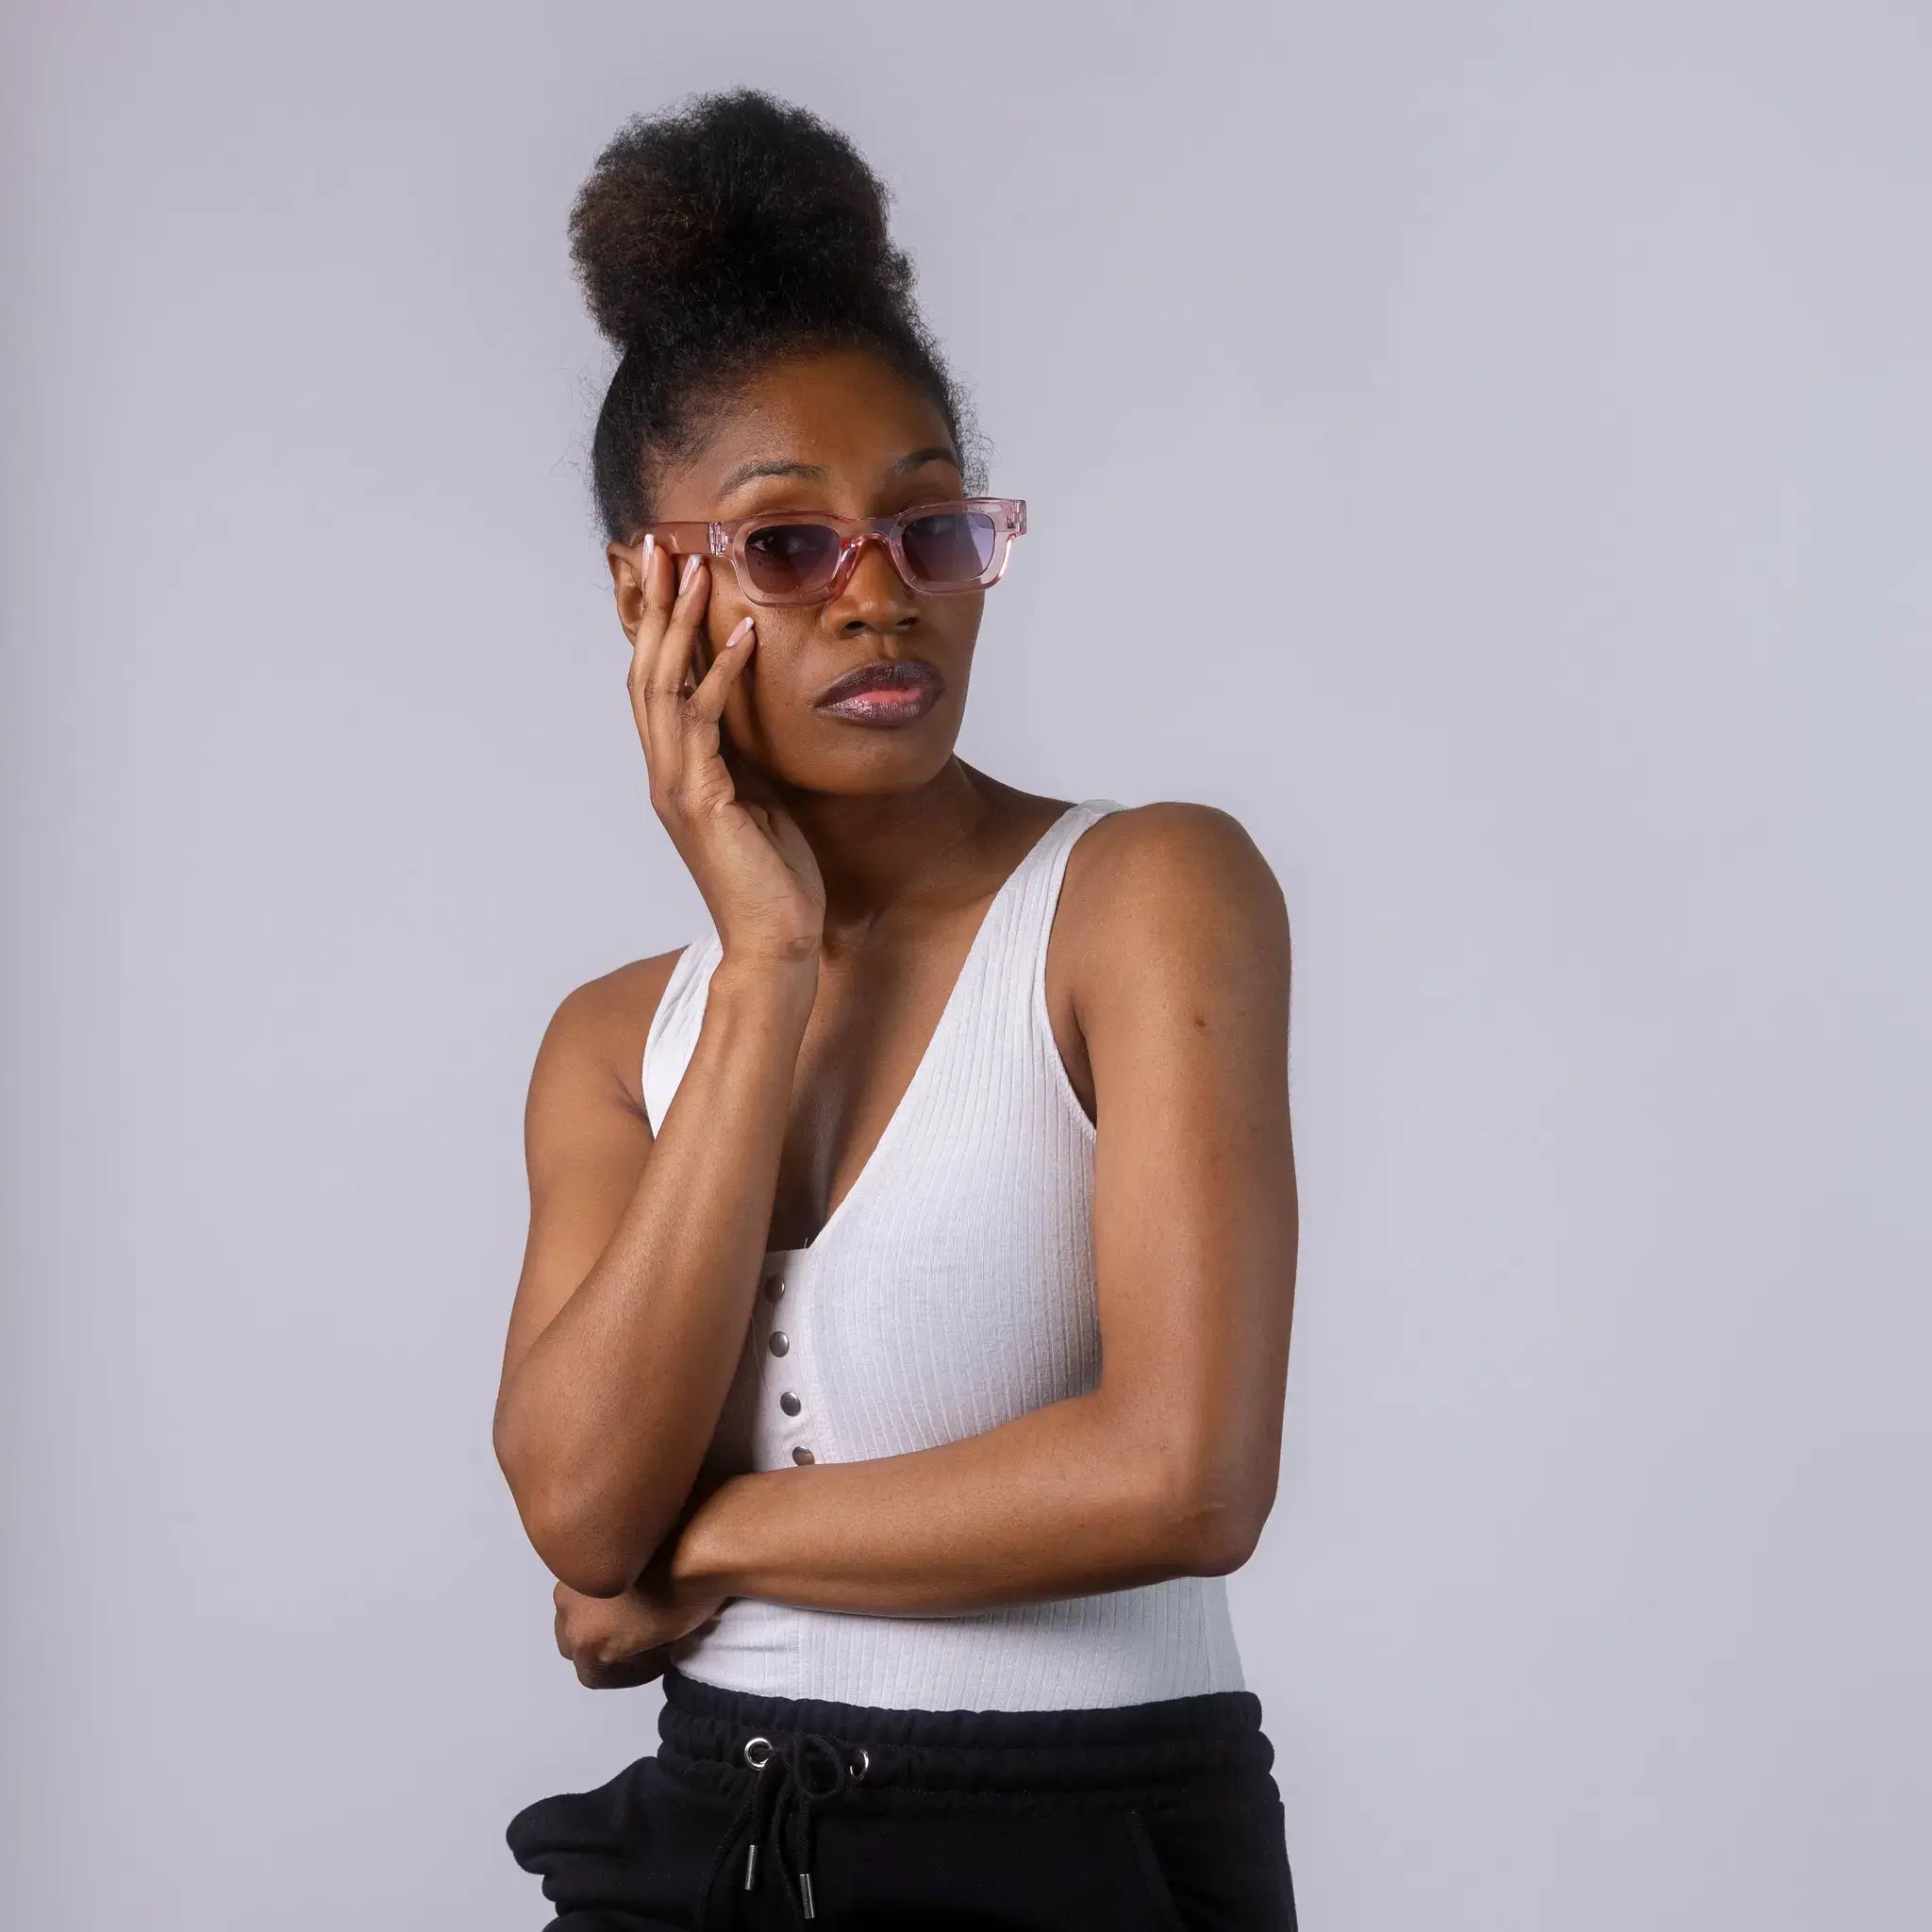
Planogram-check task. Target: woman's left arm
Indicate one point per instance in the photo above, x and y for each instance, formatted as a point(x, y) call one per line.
point(1180, 967)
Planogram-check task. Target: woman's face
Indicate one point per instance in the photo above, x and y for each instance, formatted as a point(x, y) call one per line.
point(845, 432)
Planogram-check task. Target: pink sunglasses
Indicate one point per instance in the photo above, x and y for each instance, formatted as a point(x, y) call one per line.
point(804, 557)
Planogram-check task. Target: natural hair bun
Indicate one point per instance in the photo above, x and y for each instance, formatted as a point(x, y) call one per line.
point(714, 240)
point(739, 212)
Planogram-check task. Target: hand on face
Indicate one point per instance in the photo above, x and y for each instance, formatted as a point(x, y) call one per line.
point(751, 862)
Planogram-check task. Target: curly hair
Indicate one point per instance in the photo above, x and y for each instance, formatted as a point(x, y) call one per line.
point(714, 238)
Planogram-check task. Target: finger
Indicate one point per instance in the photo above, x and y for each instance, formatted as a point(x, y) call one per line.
point(648, 631)
point(638, 1668)
point(653, 575)
point(707, 701)
point(657, 575)
point(619, 1680)
point(658, 572)
point(673, 666)
point(656, 608)
point(658, 683)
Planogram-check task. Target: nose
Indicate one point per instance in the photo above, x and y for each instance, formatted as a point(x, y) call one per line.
point(873, 595)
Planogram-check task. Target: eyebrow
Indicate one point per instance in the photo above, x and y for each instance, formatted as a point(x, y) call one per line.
point(816, 473)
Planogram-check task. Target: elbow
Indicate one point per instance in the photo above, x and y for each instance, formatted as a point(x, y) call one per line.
point(1216, 1542)
point(580, 1549)
point(578, 1538)
point(1213, 1526)
point(588, 1577)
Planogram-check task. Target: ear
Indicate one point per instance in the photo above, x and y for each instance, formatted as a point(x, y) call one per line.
point(627, 583)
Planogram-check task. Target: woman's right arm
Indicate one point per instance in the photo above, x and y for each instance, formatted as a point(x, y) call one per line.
point(639, 1269)
point(643, 1255)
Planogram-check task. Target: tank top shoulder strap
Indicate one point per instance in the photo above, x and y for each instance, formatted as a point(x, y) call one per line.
point(673, 1035)
point(1040, 890)
point(1003, 993)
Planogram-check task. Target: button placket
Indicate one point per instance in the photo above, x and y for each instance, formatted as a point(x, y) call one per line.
point(777, 1383)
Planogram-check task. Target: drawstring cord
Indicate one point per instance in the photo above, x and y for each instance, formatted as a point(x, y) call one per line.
point(795, 1777)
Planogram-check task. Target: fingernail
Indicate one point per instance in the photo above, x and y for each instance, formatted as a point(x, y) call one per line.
point(691, 571)
point(740, 631)
point(649, 549)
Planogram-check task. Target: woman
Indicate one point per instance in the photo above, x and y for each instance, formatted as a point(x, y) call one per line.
point(835, 1210)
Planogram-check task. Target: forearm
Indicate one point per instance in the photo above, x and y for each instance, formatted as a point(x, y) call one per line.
point(604, 1422)
point(1067, 1500)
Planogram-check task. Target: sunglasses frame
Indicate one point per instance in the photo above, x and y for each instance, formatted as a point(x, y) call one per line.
point(729, 539)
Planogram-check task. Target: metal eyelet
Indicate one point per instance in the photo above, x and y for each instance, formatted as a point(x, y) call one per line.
point(864, 1763)
point(757, 1763)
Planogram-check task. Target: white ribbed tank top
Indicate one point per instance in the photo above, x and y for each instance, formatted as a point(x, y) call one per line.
point(952, 1290)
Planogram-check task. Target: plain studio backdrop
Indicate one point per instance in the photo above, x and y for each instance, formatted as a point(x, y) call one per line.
point(1487, 449)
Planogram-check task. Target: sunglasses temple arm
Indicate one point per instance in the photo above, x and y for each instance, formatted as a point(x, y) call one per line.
point(686, 539)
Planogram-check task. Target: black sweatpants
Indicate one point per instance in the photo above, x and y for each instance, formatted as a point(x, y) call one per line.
point(781, 1813)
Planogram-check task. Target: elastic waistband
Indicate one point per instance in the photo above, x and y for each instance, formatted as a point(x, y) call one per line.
point(1172, 1747)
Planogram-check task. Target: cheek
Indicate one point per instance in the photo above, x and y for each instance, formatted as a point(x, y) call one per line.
point(783, 657)
point(956, 620)
point(722, 613)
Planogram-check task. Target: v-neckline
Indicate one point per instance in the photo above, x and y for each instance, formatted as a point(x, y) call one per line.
point(899, 1112)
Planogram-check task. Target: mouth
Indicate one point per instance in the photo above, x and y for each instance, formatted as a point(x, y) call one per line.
point(888, 691)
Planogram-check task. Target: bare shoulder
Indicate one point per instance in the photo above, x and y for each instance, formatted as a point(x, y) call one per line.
point(1175, 875)
point(1171, 921)
point(594, 1042)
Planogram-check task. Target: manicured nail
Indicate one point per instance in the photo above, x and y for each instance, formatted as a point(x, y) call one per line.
point(740, 631)
point(650, 550)
point(690, 572)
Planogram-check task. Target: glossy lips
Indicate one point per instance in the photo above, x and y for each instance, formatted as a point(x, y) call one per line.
point(885, 692)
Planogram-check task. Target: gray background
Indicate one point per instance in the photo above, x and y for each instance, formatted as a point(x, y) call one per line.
point(1534, 407)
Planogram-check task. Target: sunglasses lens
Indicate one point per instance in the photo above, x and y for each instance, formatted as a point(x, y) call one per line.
point(788, 559)
point(951, 547)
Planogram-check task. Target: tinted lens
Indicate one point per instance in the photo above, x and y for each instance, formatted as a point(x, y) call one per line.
point(950, 546)
point(786, 559)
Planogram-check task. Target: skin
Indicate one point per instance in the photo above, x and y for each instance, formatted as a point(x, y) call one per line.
point(846, 870)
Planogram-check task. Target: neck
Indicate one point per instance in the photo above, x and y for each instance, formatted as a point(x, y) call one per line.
point(886, 853)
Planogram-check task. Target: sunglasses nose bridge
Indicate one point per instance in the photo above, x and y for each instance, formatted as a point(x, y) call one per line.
point(878, 530)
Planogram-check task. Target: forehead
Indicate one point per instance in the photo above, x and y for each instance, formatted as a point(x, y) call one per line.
point(843, 411)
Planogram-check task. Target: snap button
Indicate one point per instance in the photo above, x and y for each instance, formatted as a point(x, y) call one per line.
point(790, 1403)
point(803, 1455)
point(779, 1344)
point(775, 1287)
